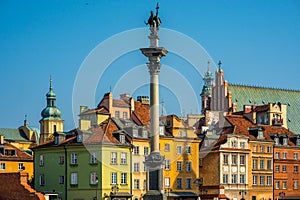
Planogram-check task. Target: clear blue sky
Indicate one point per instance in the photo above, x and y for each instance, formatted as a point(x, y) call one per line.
point(258, 42)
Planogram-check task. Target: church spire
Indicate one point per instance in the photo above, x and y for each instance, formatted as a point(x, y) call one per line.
point(206, 89)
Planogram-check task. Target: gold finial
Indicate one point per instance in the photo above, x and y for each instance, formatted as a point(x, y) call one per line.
point(50, 81)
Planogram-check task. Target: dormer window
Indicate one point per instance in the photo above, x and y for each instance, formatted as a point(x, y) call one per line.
point(161, 130)
point(298, 141)
point(276, 140)
point(260, 134)
point(285, 141)
point(122, 139)
point(79, 138)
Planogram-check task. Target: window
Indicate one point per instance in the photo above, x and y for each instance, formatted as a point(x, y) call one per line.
point(254, 164)
point(74, 180)
point(269, 149)
point(161, 130)
point(260, 134)
point(167, 147)
point(188, 183)
point(184, 134)
point(94, 178)
point(242, 178)
point(179, 134)
point(283, 168)
point(117, 114)
point(296, 156)
point(146, 151)
point(167, 182)
point(93, 158)
point(262, 164)
point(225, 178)
point(10, 152)
point(21, 166)
point(113, 178)
point(242, 145)
point(61, 179)
point(242, 159)
point(262, 180)
point(179, 166)
point(42, 180)
point(269, 180)
point(2, 166)
point(136, 150)
point(262, 149)
point(167, 164)
point(122, 138)
point(277, 185)
point(269, 164)
point(233, 159)
point(233, 178)
point(113, 158)
point(136, 167)
point(284, 185)
point(277, 155)
point(123, 178)
point(284, 155)
point(233, 144)
point(136, 185)
point(123, 158)
point(179, 150)
point(276, 140)
point(74, 159)
point(225, 159)
point(179, 183)
point(277, 168)
point(125, 115)
point(295, 169)
point(254, 180)
point(188, 149)
point(255, 148)
point(61, 160)
point(42, 160)
point(188, 166)
point(295, 185)
point(285, 141)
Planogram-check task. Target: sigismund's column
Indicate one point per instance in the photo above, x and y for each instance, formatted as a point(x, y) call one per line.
point(154, 162)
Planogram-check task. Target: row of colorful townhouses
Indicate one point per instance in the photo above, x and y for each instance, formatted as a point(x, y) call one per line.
point(244, 145)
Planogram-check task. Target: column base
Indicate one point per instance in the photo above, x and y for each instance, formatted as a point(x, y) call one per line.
point(154, 195)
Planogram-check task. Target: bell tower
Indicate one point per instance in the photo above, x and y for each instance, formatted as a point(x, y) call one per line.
point(51, 117)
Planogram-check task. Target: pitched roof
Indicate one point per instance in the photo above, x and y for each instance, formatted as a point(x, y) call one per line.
point(141, 113)
point(242, 95)
point(13, 134)
point(20, 155)
point(242, 126)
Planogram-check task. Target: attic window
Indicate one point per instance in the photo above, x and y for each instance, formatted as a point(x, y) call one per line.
point(161, 130)
point(276, 140)
point(285, 141)
point(79, 138)
point(298, 142)
point(10, 152)
point(260, 134)
point(122, 139)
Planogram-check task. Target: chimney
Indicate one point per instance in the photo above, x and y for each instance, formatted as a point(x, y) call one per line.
point(83, 109)
point(125, 97)
point(1, 139)
point(247, 108)
point(143, 99)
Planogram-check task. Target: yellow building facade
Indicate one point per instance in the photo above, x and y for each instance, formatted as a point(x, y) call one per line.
point(180, 146)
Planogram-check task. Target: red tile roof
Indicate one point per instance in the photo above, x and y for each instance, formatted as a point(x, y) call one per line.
point(20, 155)
point(142, 113)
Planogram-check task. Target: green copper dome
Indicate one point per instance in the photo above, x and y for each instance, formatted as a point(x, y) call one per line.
point(51, 113)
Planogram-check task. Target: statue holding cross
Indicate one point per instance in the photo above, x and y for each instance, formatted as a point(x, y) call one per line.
point(154, 20)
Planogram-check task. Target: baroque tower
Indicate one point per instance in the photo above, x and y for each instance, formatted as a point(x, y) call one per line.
point(206, 90)
point(51, 117)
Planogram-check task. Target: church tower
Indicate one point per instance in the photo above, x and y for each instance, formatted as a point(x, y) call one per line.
point(51, 117)
point(206, 90)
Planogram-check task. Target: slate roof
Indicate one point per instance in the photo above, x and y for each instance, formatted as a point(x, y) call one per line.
point(245, 95)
